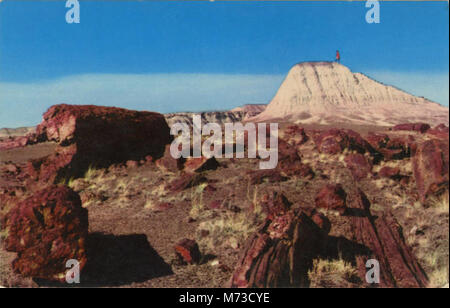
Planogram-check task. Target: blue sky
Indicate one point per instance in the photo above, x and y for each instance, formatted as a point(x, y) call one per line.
point(176, 56)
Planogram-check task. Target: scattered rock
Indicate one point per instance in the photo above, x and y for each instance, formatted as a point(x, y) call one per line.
point(389, 172)
point(168, 163)
point(186, 180)
point(187, 251)
point(332, 197)
point(334, 141)
point(290, 163)
point(295, 135)
point(416, 127)
point(216, 204)
point(392, 148)
point(358, 165)
point(46, 230)
point(440, 131)
point(261, 176)
point(274, 204)
point(200, 164)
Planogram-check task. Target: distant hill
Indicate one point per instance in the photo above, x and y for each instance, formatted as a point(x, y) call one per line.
point(328, 92)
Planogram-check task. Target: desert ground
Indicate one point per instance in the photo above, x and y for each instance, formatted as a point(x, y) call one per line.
point(139, 210)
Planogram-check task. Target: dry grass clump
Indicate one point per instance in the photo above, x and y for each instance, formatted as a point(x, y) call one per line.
point(426, 231)
point(228, 229)
point(440, 204)
point(333, 274)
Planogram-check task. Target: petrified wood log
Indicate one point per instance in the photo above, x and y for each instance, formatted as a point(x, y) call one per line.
point(280, 253)
point(384, 238)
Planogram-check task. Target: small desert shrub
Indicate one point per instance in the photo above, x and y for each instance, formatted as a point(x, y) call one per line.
point(91, 173)
point(198, 209)
point(333, 273)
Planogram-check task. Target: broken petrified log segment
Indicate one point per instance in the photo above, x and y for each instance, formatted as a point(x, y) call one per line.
point(200, 164)
point(392, 148)
point(416, 127)
point(358, 165)
point(295, 135)
point(99, 136)
point(187, 251)
point(260, 176)
point(168, 163)
point(332, 197)
point(389, 172)
point(290, 163)
point(431, 167)
point(274, 204)
point(384, 238)
point(334, 141)
point(186, 180)
point(46, 230)
point(280, 253)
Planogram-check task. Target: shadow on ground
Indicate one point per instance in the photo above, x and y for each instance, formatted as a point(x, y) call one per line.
point(115, 260)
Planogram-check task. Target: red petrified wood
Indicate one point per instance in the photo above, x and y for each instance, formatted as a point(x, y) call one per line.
point(384, 239)
point(280, 253)
point(46, 230)
point(97, 136)
point(431, 166)
point(332, 197)
point(358, 165)
point(187, 251)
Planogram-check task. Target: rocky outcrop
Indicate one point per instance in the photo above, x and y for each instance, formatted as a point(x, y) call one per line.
point(328, 92)
point(431, 167)
point(46, 230)
point(13, 142)
point(16, 132)
point(250, 110)
point(97, 136)
point(219, 117)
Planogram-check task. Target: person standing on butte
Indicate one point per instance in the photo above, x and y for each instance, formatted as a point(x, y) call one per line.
point(338, 57)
